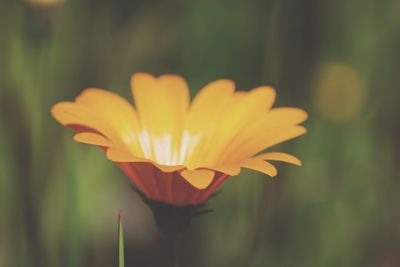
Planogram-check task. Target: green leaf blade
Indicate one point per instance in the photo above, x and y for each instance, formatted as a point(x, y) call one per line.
point(121, 258)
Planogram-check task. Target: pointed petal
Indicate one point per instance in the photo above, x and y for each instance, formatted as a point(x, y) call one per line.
point(162, 106)
point(260, 165)
point(93, 139)
point(204, 118)
point(280, 136)
point(117, 112)
point(249, 147)
point(263, 97)
point(272, 123)
point(208, 103)
point(168, 168)
point(244, 107)
point(200, 179)
point(279, 156)
point(150, 102)
point(119, 155)
point(178, 93)
point(231, 170)
point(70, 113)
point(161, 103)
point(283, 116)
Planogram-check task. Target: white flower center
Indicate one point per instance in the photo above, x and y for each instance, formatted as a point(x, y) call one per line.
point(163, 150)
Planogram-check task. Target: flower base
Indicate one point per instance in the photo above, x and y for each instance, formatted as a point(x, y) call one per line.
point(173, 220)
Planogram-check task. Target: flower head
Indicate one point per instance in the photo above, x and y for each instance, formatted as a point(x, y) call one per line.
point(179, 152)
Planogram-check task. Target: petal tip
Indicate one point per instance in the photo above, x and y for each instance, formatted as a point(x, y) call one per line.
point(92, 139)
point(141, 75)
point(58, 110)
point(297, 162)
point(200, 179)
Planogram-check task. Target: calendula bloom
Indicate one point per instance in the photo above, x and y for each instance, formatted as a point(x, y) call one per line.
point(179, 152)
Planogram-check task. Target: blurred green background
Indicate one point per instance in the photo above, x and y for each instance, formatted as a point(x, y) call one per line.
point(339, 60)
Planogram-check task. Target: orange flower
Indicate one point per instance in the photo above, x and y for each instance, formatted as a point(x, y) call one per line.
point(180, 153)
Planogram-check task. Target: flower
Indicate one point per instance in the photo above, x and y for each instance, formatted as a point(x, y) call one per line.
point(180, 153)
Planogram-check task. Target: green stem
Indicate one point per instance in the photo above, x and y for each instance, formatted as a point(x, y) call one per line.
point(172, 243)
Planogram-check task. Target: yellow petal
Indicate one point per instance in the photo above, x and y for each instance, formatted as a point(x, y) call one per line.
point(93, 139)
point(150, 102)
point(281, 135)
point(263, 97)
point(116, 112)
point(231, 170)
point(273, 121)
point(119, 155)
point(265, 139)
point(205, 116)
point(279, 117)
point(69, 113)
point(260, 165)
point(279, 156)
point(208, 102)
point(178, 94)
point(168, 168)
point(200, 179)
point(162, 105)
point(274, 137)
point(244, 107)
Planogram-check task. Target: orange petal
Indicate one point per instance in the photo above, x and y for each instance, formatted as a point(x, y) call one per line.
point(119, 155)
point(231, 170)
point(117, 112)
point(204, 118)
point(279, 156)
point(93, 139)
point(161, 103)
point(277, 120)
point(150, 102)
point(243, 108)
point(200, 179)
point(260, 142)
point(260, 165)
point(208, 104)
point(178, 92)
point(70, 113)
point(283, 116)
point(264, 97)
point(168, 168)
point(282, 135)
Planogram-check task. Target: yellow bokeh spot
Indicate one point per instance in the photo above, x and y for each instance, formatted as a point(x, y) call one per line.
point(340, 92)
point(45, 3)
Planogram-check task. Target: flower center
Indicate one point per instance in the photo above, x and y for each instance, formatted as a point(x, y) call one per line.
point(165, 149)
